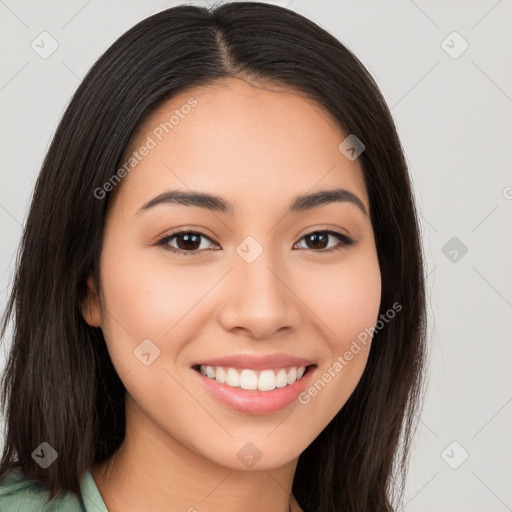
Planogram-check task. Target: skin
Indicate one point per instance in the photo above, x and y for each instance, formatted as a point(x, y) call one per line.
point(257, 147)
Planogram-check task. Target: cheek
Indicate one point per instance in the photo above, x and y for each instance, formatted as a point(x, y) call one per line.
point(344, 298)
point(346, 303)
point(134, 308)
point(151, 298)
point(145, 292)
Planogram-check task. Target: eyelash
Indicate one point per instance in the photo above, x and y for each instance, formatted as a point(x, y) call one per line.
point(344, 239)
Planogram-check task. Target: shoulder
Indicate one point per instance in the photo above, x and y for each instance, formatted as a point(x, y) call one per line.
point(19, 494)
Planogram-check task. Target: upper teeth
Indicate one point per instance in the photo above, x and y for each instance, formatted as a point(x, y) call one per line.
point(263, 380)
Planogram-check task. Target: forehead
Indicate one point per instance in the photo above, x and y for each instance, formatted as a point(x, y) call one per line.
point(255, 145)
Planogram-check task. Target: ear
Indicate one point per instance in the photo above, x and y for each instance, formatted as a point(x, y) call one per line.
point(91, 309)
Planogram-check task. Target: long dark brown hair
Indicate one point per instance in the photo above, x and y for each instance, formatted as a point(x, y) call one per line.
point(59, 384)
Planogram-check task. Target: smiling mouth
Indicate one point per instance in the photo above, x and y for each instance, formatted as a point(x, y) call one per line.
point(256, 380)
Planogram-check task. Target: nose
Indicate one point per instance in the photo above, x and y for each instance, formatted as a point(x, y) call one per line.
point(259, 300)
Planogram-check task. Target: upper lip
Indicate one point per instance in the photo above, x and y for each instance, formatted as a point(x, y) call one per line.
point(255, 362)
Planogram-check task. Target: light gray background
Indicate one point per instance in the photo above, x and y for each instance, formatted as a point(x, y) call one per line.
point(454, 119)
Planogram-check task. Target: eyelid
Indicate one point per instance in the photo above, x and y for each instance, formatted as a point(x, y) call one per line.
point(339, 231)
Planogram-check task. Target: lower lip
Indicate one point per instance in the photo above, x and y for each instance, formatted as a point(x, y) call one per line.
point(255, 401)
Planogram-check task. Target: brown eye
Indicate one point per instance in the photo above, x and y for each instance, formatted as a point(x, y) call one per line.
point(319, 240)
point(186, 242)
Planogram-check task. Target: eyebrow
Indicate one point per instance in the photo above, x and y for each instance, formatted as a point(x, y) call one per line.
point(212, 202)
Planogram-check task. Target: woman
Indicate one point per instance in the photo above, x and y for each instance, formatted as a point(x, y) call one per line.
point(219, 299)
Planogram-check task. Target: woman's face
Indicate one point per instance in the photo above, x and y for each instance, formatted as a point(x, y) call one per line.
point(251, 280)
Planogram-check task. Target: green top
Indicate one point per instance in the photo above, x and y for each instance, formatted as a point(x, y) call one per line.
point(18, 494)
